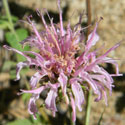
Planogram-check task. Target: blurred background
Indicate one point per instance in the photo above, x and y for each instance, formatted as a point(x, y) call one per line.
point(13, 108)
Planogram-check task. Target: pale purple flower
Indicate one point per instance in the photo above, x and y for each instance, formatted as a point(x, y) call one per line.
point(66, 72)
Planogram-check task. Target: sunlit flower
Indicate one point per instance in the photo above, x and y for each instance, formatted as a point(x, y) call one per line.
point(67, 72)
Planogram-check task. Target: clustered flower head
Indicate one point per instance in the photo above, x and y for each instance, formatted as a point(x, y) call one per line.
point(67, 72)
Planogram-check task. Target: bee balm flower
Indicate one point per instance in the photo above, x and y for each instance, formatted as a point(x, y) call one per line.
point(67, 73)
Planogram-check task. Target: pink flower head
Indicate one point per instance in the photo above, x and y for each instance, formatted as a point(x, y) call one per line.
point(57, 60)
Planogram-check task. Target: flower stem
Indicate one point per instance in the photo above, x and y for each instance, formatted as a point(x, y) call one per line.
point(10, 26)
point(88, 9)
point(88, 107)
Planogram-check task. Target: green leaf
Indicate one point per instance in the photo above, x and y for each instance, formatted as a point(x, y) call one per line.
point(14, 42)
point(4, 23)
point(26, 96)
point(14, 18)
point(22, 33)
point(20, 122)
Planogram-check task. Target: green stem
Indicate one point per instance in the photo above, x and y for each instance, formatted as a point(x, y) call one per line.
point(11, 27)
point(88, 9)
point(88, 107)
